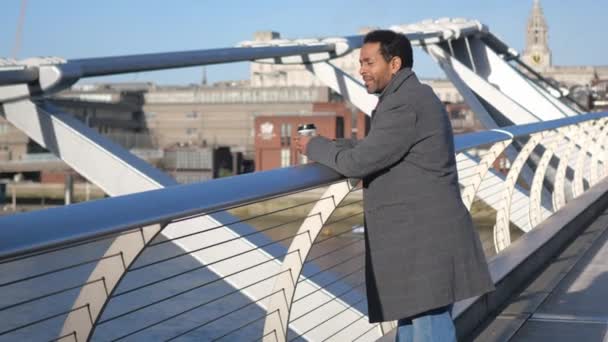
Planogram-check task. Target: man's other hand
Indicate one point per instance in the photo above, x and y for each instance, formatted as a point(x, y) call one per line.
point(302, 143)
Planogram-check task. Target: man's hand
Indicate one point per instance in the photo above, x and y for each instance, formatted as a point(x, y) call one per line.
point(302, 143)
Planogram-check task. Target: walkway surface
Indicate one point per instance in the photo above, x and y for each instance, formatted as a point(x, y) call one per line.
point(567, 301)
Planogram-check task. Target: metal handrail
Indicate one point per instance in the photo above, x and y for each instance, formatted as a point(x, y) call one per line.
point(464, 142)
point(37, 230)
point(29, 232)
point(114, 65)
point(92, 67)
point(27, 75)
point(102, 66)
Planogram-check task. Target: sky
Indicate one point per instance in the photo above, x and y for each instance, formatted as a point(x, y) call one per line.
point(80, 29)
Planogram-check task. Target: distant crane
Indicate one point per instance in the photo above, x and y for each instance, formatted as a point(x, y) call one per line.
point(19, 33)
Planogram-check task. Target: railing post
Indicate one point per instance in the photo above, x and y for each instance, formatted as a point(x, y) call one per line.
point(102, 281)
point(577, 185)
point(502, 233)
point(599, 154)
point(559, 189)
point(279, 306)
point(468, 195)
point(539, 176)
point(586, 146)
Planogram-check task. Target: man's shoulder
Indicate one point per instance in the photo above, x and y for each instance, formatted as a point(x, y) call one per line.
point(409, 93)
point(415, 93)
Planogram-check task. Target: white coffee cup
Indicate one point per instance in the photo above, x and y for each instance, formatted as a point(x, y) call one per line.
point(307, 130)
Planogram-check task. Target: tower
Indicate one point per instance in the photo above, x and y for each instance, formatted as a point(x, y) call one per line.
point(537, 53)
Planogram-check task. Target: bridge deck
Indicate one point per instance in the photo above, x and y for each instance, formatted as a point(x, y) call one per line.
point(567, 301)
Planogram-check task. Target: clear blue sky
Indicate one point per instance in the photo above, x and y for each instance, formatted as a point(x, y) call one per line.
point(77, 28)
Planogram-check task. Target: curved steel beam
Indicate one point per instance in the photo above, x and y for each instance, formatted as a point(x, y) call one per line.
point(468, 195)
point(279, 307)
point(502, 233)
point(104, 280)
point(597, 156)
point(559, 191)
point(535, 214)
point(586, 147)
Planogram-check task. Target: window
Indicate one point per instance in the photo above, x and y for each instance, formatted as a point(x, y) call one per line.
point(190, 131)
point(285, 157)
point(192, 115)
point(339, 127)
point(285, 134)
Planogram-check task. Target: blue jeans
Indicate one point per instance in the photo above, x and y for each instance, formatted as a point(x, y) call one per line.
point(431, 326)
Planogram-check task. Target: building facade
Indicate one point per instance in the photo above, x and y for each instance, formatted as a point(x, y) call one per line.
point(13, 143)
point(274, 134)
point(221, 116)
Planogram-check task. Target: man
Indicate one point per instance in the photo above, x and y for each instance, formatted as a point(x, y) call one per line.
point(422, 250)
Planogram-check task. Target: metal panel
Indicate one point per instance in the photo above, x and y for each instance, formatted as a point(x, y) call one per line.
point(499, 73)
point(505, 105)
point(443, 58)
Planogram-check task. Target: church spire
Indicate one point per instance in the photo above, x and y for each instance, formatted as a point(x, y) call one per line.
point(537, 52)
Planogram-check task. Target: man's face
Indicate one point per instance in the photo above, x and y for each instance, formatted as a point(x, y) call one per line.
point(376, 72)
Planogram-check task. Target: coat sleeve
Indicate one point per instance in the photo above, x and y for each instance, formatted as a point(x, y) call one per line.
point(346, 143)
point(390, 138)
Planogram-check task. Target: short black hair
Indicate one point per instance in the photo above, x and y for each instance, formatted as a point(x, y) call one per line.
point(392, 44)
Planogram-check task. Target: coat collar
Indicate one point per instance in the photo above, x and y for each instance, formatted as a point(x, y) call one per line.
point(396, 81)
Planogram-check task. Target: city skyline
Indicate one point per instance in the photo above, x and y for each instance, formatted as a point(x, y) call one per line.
point(73, 29)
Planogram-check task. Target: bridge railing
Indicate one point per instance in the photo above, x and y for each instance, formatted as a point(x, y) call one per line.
point(286, 260)
point(294, 270)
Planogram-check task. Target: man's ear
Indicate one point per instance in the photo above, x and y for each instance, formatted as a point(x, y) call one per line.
point(395, 64)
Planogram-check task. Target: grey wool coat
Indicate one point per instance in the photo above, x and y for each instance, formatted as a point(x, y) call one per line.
point(422, 250)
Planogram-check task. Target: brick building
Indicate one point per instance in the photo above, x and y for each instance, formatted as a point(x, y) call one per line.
point(274, 133)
